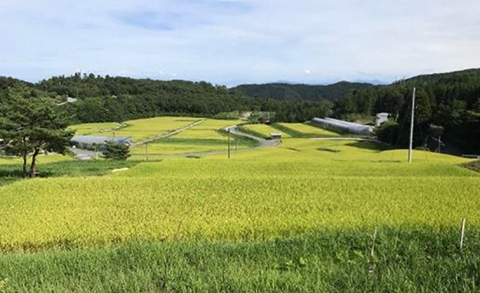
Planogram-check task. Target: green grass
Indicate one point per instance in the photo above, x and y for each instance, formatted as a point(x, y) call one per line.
point(10, 173)
point(405, 260)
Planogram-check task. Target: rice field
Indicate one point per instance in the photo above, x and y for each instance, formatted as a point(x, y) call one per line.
point(309, 129)
point(207, 130)
point(203, 137)
point(264, 130)
point(98, 129)
point(174, 146)
point(297, 217)
point(240, 199)
point(140, 129)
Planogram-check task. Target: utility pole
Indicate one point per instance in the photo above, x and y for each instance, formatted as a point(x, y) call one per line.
point(229, 143)
point(411, 128)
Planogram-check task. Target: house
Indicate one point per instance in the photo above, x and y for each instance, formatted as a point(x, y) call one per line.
point(381, 118)
point(98, 142)
point(343, 126)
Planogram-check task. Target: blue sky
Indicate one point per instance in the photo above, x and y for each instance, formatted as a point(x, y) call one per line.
point(239, 41)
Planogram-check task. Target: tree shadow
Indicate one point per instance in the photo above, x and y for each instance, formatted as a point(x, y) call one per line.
point(369, 145)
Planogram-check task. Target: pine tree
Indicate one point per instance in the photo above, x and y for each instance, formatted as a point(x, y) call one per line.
point(115, 151)
point(30, 125)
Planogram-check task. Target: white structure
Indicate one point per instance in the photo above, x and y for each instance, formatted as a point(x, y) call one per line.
point(381, 118)
point(91, 142)
point(275, 135)
point(344, 126)
point(71, 100)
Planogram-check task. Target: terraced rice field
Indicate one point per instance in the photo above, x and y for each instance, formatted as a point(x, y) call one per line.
point(297, 217)
point(173, 146)
point(310, 129)
point(295, 192)
point(264, 130)
point(207, 136)
point(140, 129)
point(207, 130)
point(96, 129)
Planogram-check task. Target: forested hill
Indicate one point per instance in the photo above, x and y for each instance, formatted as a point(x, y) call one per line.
point(121, 98)
point(447, 105)
point(285, 91)
point(108, 98)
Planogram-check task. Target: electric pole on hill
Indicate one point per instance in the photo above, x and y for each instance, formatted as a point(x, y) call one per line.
point(411, 128)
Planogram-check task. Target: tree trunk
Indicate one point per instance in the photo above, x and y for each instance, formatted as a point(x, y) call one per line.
point(33, 166)
point(24, 157)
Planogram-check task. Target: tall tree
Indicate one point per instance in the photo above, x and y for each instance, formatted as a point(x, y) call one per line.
point(30, 125)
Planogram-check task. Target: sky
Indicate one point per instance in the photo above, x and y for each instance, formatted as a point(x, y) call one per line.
point(229, 42)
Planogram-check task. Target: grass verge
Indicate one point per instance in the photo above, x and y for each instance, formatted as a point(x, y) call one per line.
point(404, 260)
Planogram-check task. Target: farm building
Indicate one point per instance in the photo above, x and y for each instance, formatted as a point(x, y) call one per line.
point(344, 126)
point(91, 142)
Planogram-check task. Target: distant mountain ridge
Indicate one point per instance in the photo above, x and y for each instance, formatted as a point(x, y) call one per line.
point(288, 91)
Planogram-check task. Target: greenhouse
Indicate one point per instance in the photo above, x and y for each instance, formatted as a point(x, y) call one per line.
point(343, 126)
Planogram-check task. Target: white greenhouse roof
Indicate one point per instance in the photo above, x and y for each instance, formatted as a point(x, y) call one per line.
point(100, 139)
point(343, 125)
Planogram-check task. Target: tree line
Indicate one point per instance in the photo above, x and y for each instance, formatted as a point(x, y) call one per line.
point(448, 105)
point(447, 109)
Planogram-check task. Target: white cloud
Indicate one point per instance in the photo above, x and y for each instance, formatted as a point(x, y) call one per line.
point(241, 41)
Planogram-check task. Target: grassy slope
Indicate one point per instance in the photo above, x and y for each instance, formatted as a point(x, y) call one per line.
point(416, 260)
